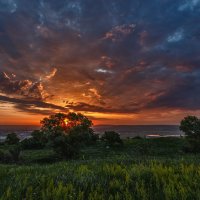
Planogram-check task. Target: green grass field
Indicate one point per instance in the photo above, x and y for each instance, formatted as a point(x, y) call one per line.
point(154, 169)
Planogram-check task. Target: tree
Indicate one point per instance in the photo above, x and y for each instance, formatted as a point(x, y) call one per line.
point(12, 139)
point(67, 132)
point(54, 124)
point(111, 138)
point(190, 125)
point(64, 123)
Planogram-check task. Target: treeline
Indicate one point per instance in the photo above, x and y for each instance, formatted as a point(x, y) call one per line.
point(68, 134)
point(65, 133)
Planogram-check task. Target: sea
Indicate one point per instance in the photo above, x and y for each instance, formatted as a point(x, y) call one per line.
point(24, 131)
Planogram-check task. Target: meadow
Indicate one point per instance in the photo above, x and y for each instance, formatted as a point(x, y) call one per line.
point(141, 169)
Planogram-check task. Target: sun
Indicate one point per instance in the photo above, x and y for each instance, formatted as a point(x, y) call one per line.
point(66, 121)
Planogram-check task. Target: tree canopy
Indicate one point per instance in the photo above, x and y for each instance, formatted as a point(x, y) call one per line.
point(68, 132)
point(61, 122)
point(190, 125)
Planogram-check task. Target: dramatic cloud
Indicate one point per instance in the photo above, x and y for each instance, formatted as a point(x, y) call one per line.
point(25, 88)
point(81, 106)
point(32, 106)
point(108, 57)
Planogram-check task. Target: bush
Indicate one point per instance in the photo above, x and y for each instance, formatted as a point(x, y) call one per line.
point(137, 137)
point(39, 136)
point(2, 155)
point(37, 141)
point(111, 138)
point(15, 152)
point(83, 136)
point(193, 146)
point(12, 139)
point(5, 157)
point(30, 143)
point(66, 147)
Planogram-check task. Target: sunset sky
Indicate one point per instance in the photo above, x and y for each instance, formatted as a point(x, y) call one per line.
point(116, 61)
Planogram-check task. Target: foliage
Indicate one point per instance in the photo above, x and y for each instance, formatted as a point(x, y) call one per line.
point(68, 132)
point(190, 125)
point(39, 136)
point(15, 152)
point(66, 147)
point(54, 123)
point(30, 143)
point(39, 156)
point(83, 136)
point(12, 139)
point(2, 155)
point(111, 138)
point(132, 149)
point(102, 180)
point(37, 141)
point(61, 122)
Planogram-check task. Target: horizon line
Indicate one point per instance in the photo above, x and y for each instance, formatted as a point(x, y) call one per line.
point(100, 125)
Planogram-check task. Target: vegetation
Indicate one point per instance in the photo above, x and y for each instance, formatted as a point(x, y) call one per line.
point(38, 140)
point(66, 147)
point(64, 123)
point(15, 152)
point(12, 138)
point(102, 180)
point(68, 132)
point(191, 127)
point(111, 138)
point(161, 148)
point(140, 169)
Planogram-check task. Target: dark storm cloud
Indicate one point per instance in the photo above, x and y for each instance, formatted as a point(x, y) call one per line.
point(26, 88)
point(81, 106)
point(31, 106)
point(117, 52)
point(185, 94)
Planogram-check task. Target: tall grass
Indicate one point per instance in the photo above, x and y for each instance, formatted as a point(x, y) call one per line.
point(102, 180)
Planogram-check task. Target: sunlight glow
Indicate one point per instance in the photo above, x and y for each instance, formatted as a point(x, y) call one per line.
point(66, 121)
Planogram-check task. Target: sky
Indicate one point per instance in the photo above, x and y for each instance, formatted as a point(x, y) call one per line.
point(116, 61)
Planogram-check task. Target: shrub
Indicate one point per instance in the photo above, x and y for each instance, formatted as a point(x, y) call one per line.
point(66, 147)
point(37, 141)
point(39, 136)
point(83, 136)
point(15, 152)
point(2, 155)
point(137, 137)
point(111, 138)
point(12, 139)
point(30, 143)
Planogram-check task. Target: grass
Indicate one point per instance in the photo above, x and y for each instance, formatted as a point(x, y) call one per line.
point(101, 180)
point(132, 148)
point(149, 169)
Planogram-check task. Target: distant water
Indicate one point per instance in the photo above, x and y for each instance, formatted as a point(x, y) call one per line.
point(140, 130)
point(22, 131)
point(124, 130)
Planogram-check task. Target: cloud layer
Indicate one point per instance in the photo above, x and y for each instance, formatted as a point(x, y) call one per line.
point(104, 57)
